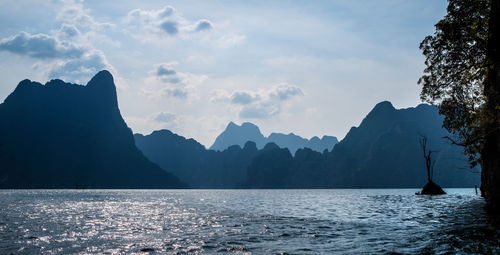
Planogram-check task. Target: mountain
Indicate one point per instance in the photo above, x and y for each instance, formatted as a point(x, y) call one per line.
point(239, 135)
point(383, 152)
point(294, 142)
point(62, 135)
point(193, 164)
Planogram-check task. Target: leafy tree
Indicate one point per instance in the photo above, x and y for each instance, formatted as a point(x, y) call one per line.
point(462, 76)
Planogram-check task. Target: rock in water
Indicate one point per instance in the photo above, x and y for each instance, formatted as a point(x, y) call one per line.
point(432, 188)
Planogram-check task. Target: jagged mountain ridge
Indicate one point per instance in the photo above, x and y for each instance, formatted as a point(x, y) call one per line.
point(62, 135)
point(239, 135)
point(382, 152)
point(199, 167)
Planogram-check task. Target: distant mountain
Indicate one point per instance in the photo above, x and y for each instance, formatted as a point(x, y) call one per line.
point(62, 135)
point(195, 165)
point(239, 135)
point(383, 152)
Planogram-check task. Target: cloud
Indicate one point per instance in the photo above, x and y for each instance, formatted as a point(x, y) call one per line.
point(244, 97)
point(165, 69)
point(75, 13)
point(80, 69)
point(259, 111)
point(167, 11)
point(164, 117)
point(165, 72)
point(285, 91)
point(68, 31)
point(66, 52)
point(180, 93)
point(164, 81)
point(165, 20)
point(258, 104)
point(149, 16)
point(158, 21)
point(170, 27)
point(40, 46)
point(203, 25)
point(230, 40)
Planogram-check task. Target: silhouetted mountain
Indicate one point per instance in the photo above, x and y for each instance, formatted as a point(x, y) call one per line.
point(62, 135)
point(294, 142)
point(383, 152)
point(238, 135)
point(199, 167)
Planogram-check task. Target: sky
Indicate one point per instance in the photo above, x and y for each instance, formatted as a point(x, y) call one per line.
point(313, 68)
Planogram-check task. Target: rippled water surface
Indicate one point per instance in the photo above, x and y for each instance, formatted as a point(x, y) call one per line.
point(244, 221)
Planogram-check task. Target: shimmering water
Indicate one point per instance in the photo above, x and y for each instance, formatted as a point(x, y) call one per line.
point(244, 221)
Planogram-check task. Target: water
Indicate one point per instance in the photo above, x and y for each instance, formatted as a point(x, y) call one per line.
point(244, 221)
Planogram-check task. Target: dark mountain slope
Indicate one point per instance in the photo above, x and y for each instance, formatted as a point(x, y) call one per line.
point(62, 135)
point(199, 167)
point(383, 152)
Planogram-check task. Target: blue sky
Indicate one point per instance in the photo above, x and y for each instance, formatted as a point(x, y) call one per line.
point(308, 67)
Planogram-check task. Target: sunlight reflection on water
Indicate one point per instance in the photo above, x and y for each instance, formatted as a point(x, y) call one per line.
point(244, 221)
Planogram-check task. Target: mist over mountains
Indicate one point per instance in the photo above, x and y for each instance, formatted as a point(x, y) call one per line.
point(62, 135)
point(239, 135)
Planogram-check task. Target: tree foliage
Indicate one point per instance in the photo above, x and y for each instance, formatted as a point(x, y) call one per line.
point(456, 69)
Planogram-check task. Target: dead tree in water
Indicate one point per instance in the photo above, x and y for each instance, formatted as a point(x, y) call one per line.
point(430, 188)
point(429, 163)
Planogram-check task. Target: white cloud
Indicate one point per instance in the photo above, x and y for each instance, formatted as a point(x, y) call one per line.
point(260, 110)
point(230, 40)
point(73, 12)
point(203, 25)
point(165, 81)
point(170, 27)
point(180, 93)
point(164, 21)
point(68, 31)
point(244, 97)
point(41, 46)
point(164, 117)
point(61, 59)
point(258, 104)
point(80, 69)
point(285, 91)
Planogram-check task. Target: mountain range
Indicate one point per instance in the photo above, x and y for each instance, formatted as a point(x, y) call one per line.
point(192, 163)
point(239, 135)
point(62, 135)
point(383, 152)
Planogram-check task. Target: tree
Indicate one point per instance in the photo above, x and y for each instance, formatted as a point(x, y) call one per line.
point(429, 163)
point(462, 76)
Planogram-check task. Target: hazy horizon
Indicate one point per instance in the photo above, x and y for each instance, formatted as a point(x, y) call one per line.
point(311, 68)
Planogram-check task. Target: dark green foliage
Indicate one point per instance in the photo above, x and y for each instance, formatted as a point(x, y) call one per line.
point(463, 78)
point(456, 70)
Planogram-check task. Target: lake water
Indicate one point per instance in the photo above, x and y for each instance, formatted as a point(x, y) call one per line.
point(244, 221)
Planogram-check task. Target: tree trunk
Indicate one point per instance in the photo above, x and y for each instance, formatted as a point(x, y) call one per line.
point(490, 154)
